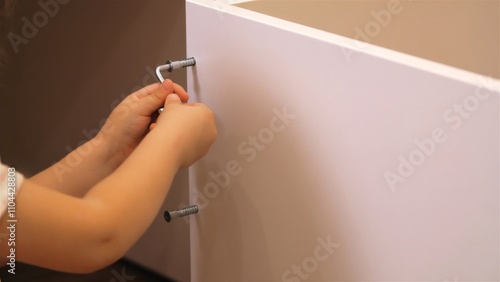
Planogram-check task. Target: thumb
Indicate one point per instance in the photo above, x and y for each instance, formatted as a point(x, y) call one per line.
point(147, 100)
point(172, 99)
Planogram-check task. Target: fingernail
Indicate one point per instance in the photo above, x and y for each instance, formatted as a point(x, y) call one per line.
point(165, 83)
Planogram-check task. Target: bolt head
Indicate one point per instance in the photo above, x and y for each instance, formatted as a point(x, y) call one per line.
point(167, 216)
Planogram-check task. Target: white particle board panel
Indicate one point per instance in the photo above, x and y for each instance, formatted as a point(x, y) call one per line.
point(336, 162)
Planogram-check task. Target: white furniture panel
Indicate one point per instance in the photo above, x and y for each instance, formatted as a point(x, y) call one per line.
point(336, 160)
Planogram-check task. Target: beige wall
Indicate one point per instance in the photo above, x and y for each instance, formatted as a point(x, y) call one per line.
point(463, 34)
point(64, 81)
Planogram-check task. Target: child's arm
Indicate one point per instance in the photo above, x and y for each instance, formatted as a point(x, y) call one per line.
point(72, 234)
point(81, 169)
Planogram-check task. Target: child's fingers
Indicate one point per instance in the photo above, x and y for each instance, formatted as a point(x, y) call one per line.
point(168, 85)
point(152, 97)
point(179, 90)
point(172, 98)
point(151, 126)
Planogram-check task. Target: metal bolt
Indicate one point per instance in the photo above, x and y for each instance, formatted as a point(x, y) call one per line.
point(189, 62)
point(170, 66)
point(180, 213)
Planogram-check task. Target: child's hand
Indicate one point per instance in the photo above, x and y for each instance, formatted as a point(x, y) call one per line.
point(129, 122)
point(192, 125)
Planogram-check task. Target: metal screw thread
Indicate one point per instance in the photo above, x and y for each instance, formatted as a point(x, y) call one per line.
point(188, 62)
point(180, 213)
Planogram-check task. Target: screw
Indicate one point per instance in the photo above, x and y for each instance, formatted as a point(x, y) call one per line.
point(170, 66)
point(189, 62)
point(180, 213)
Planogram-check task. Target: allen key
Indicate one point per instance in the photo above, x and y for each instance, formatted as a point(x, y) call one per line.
point(170, 66)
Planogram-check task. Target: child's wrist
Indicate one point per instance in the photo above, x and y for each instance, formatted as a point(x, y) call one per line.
point(167, 143)
point(110, 154)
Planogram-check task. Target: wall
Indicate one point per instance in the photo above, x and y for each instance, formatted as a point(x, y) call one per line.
point(65, 78)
